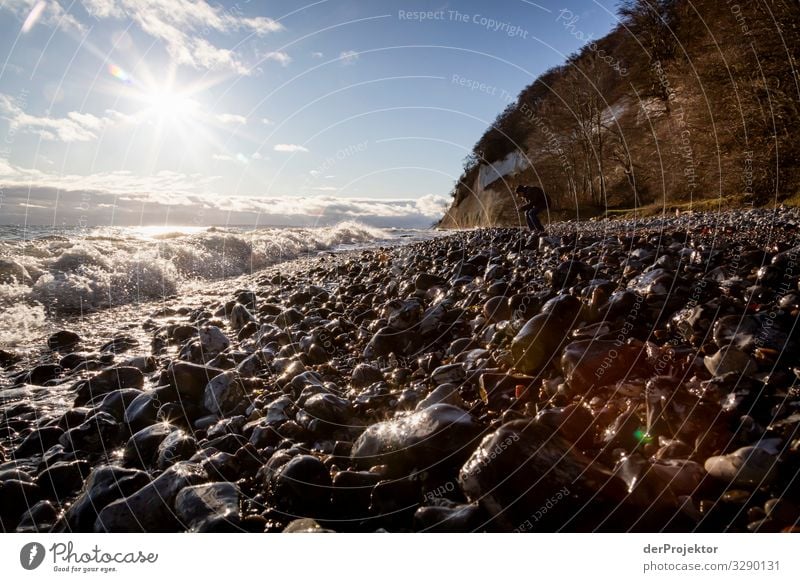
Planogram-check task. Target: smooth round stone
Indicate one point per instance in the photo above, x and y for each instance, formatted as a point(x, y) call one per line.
point(42, 374)
point(60, 480)
point(748, 466)
point(151, 508)
point(224, 394)
point(365, 375)
point(115, 403)
point(15, 498)
point(38, 441)
point(425, 281)
point(240, 316)
point(39, 518)
point(63, 340)
point(352, 491)
point(288, 318)
point(190, 379)
point(177, 446)
point(329, 409)
point(301, 487)
point(588, 363)
point(385, 341)
point(497, 309)
point(444, 394)
point(210, 507)
point(305, 525)
point(448, 374)
point(536, 343)
point(782, 510)
point(107, 381)
point(729, 359)
point(140, 450)
point(519, 467)
point(143, 411)
point(96, 434)
point(105, 484)
point(437, 437)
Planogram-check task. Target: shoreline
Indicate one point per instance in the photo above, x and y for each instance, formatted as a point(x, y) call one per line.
point(423, 386)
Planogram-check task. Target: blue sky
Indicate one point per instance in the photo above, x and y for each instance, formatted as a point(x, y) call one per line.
point(179, 112)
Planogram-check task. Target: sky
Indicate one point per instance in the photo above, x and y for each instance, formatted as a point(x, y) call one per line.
point(179, 112)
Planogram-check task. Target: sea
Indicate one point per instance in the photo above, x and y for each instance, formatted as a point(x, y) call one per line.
point(49, 274)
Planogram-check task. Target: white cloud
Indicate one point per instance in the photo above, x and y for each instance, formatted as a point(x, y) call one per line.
point(183, 25)
point(326, 188)
point(279, 57)
point(317, 55)
point(432, 205)
point(348, 57)
point(75, 127)
point(127, 198)
point(289, 147)
point(266, 121)
point(119, 182)
point(231, 118)
point(259, 156)
point(50, 13)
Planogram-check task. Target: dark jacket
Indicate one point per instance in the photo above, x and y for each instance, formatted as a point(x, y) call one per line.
point(535, 197)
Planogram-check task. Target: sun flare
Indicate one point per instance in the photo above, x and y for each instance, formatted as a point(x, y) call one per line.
point(168, 105)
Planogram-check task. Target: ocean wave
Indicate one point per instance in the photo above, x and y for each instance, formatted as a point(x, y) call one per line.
point(109, 267)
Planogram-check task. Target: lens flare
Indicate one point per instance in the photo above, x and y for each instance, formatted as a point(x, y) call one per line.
point(33, 16)
point(643, 436)
point(119, 73)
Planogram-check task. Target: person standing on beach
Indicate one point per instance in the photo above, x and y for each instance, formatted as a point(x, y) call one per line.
point(535, 201)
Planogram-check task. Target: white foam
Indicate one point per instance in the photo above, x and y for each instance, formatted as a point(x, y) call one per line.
point(20, 323)
point(109, 266)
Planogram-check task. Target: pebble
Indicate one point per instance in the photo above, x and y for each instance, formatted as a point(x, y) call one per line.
point(301, 487)
point(427, 440)
point(150, 509)
point(105, 484)
point(754, 465)
point(224, 394)
point(638, 368)
point(211, 507)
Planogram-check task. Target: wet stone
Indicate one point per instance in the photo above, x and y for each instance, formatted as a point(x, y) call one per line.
point(536, 343)
point(63, 340)
point(729, 359)
point(211, 507)
point(96, 434)
point(191, 379)
point(748, 466)
point(39, 518)
point(224, 394)
point(301, 487)
point(60, 480)
point(107, 381)
point(141, 448)
point(150, 509)
point(38, 441)
point(517, 469)
point(431, 439)
point(176, 446)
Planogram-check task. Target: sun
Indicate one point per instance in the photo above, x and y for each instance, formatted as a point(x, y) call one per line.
point(170, 106)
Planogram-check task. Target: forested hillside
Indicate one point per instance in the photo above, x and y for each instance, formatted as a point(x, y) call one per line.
point(683, 100)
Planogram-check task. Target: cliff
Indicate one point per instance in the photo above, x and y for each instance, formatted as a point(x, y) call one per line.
point(682, 103)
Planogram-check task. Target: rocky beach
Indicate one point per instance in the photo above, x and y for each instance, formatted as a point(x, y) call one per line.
point(625, 375)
